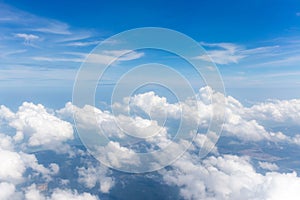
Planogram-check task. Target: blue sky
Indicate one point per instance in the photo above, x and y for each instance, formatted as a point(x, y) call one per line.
point(255, 44)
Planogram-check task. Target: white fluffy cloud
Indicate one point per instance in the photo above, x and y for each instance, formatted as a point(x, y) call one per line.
point(245, 123)
point(112, 125)
point(8, 191)
point(37, 127)
point(113, 154)
point(229, 177)
point(241, 122)
point(280, 111)
point(268, 166)
point(6, 142)
point(155, 106)
point(59, 194)
point(12, 168)
point(216, 177)
point(91, 119)
point(91, 175)
point(32, 193)
point(14, 164)
point(251, 123)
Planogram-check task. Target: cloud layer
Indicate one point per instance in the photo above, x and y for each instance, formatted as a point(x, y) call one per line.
point(218, 176)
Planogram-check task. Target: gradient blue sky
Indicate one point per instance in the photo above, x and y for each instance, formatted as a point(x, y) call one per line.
point(255, 44)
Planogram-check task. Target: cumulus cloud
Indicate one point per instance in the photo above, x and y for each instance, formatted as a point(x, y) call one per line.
point(244, 123)
point(125, 132)
point(153, 105)
point(14, 164)
point(205, 141)
point(37, 127)
point(268, 166)
point(215, 177)
point(91, 119)
point(6, 142)
point(251, 123)
point(254, 123)
point(8, 191)
point(112, 125)
point(229, 177)
point(280, 111)
point(59, 194)
point(113, 154)
point(91, 175)
point(32, 193)
point(31, 161)
point(14, 167)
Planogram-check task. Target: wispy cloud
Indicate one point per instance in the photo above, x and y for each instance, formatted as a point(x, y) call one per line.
point(83, 44)
point(55, 59)
point(280, 62)
point(54, 28)
point(267, 63)
point(260, 50)
point(223, 53)
point(78, 36)
point(282, 74)
point(28, 38)
point(230, 53)
point(28, 21)
point(104, 57)
point(285, 53)
point(298, 14)
point(108, 56)
point(8, 53)
point(5, 19)
point(52, 37)
point(26, 76)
